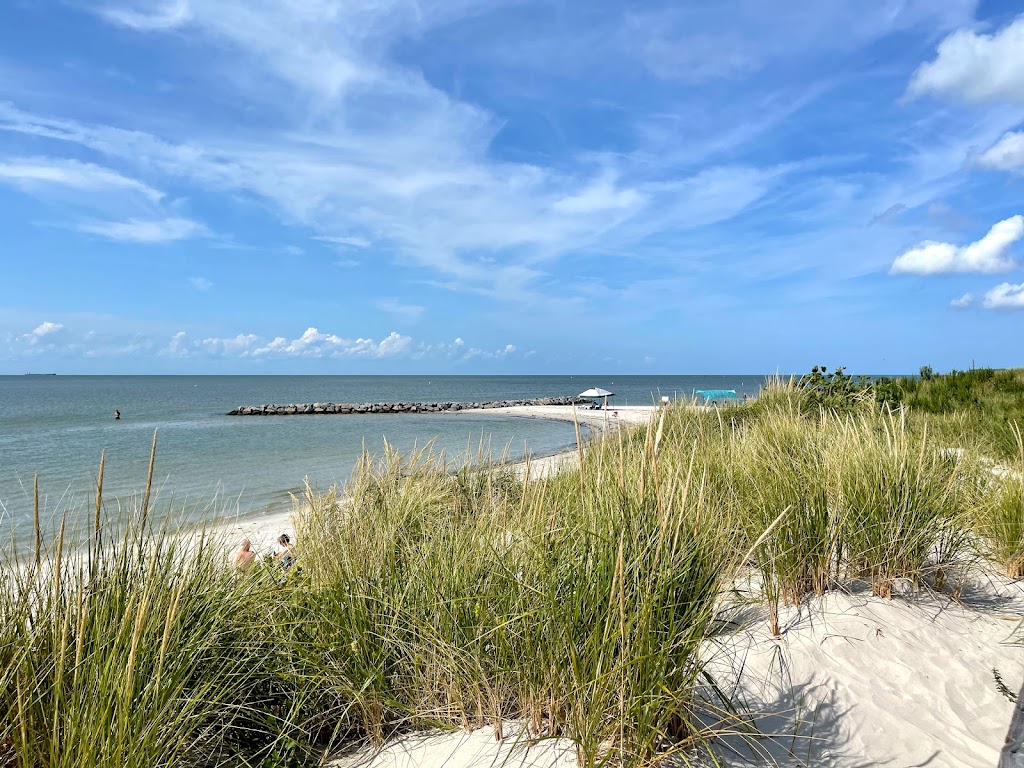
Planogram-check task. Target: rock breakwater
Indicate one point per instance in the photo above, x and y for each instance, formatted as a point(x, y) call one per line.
point(317, 409)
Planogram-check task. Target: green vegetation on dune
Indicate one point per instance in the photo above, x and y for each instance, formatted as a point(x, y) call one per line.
point(973, 409)
point(584, 605)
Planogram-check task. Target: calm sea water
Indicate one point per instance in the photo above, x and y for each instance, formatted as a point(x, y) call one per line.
point(209, 463)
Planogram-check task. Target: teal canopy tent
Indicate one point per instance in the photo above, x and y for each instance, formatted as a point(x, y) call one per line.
point(716, 394)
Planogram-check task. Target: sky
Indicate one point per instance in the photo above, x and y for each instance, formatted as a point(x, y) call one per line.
point(510, 187)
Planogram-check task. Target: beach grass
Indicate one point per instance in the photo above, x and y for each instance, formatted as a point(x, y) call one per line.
point(132, 654)
point(433, 594)
point(577, 604)
point(999, 512)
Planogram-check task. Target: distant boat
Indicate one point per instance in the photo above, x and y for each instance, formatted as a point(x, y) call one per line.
point(40, 374)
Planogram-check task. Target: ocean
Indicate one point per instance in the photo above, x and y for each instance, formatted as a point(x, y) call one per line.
point(210, 464)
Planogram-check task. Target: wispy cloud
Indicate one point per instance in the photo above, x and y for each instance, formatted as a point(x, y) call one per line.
point(56, 340)
point(147, 16)
point(352, 241)
point(411, 312)
point(143, 231)
point(1007, 154)
point(418, 174)
point(39, 172)
point(422, 143)
point(990, 254)
point(697, 43)
point(976, 67)
point(200, 283)
point(459, 351)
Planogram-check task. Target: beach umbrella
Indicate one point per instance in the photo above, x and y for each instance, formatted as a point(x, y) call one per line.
point(594, 392)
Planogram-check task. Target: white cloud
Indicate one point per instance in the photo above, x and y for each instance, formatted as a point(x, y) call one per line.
point(178, 346)
point(312, 343)
point(988, 255)
point(112, 340)
point(34, 173)
point(1007, 154)
point(1005, 296)
point(963, 302)
point(41, 331)
point(145, 231)
point(976, 67)
point(200, 283)
point(394, 344)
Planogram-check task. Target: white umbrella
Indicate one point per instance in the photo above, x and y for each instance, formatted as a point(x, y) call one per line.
point(597, 392)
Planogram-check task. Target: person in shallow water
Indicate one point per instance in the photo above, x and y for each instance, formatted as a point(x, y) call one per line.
point(244, 557)
point(117, 415)
point(287, 554)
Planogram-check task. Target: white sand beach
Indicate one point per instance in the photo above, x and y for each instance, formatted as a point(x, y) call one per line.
point(853, 680)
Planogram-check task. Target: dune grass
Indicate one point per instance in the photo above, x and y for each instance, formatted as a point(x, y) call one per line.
point(132, 653)
point(577, 604)
point(582, 604)
point(998, 517)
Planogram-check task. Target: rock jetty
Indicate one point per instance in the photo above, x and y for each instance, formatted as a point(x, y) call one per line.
point(349, 408)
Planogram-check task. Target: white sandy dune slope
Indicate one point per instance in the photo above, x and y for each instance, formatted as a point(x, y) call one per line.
point(853, 681)
point(856, 680)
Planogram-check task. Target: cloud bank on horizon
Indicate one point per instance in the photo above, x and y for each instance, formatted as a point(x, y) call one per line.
point(200, 185)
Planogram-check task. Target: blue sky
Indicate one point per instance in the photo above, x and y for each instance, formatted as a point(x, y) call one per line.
point(492, 186)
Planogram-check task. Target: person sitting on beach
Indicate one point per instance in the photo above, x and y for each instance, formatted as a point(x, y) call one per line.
point(287, 553)
point(244, 557)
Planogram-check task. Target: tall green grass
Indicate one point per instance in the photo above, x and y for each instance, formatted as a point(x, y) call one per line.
point(859, 494)
point(900, 514)
point(131, 654)
point(999, 513)
point(580, 604)
point(783, 493)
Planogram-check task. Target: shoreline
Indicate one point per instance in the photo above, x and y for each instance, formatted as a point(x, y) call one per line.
point(263, 528)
